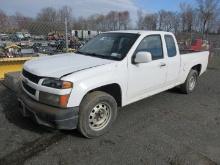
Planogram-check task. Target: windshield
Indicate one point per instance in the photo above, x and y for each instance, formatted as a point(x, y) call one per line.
point(113, 46)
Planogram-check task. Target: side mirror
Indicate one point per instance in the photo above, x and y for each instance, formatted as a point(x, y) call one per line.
point(142, 57)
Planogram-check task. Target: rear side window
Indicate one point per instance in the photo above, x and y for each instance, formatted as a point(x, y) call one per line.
point(171, 47)
point(152, 44)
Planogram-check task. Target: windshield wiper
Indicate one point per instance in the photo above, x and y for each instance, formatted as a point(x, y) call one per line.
point(84, 53)
point(97, 55)
point(90, 54)
point(79, 52)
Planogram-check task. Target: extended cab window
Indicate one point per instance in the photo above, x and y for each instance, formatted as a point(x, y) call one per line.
point(171, 47)
point(152, 44)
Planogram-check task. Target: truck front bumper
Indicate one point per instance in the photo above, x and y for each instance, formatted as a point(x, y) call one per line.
point(49, 116)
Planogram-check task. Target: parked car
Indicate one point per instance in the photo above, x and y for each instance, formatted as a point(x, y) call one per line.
point(4, 37)
point(2, 53)
point(36, 46)
point(60, 44)
point(44, 48)
point(47, 50)
point(20, 36)
point(27, 51)
point(27, 35)
point(84, 89)
point(38, 37)
point(2, 44)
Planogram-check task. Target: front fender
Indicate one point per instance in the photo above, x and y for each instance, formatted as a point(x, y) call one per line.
point(97, 78)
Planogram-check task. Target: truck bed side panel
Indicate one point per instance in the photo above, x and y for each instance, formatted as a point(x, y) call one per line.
point(192, 59)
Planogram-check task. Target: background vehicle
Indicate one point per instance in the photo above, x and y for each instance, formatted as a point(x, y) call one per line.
point(44, 48)
point(114, 69)
point(84, 34)
point(4, 37)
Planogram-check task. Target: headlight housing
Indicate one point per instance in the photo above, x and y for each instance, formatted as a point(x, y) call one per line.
point(56, 83)
point(53, 99)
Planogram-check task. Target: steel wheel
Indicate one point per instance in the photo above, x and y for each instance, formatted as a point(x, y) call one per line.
point(98, 111)
point(99, 116)
point(192, 82)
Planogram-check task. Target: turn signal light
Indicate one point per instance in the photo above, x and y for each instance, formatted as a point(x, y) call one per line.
point(67, 85)
point(63, 100)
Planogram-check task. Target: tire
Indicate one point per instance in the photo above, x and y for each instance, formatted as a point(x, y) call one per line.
point(97, 107)
point(190, 83)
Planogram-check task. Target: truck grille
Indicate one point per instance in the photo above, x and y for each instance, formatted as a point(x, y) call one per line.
point(28, 88)
point(31, 76)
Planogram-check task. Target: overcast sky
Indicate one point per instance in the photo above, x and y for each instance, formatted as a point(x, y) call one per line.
point(88, 7)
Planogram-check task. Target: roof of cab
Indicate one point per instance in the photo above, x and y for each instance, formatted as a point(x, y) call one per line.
point(140, 32)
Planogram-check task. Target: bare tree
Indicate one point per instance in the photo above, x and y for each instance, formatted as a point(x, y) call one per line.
point(22, 21)
point(100, 23)
point(65, 12)
point(218, 30)
point(150, 22)
point(112, 19)
point(3, 20)
point(161, 15)
point(91, 22)
point(167, 20)
point(186, 16)
point(124, 19)
point(140, 20)
point(176, 22)
point(47, 14)
point(207, 10)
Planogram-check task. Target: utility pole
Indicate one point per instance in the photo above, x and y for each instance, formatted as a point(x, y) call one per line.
point(66, 34)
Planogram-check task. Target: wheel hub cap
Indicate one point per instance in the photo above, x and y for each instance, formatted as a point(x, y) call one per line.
point(192, 83)
point(99, 116)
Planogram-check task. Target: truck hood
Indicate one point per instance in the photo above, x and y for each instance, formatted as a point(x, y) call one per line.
point(59, 65)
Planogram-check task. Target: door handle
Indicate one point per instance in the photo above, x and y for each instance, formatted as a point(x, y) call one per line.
point(163, 64)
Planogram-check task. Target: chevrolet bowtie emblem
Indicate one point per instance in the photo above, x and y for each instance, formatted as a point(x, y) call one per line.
point(25, 81)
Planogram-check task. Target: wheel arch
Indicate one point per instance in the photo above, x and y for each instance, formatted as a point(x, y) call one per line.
point(113, 89)
point(198, 68)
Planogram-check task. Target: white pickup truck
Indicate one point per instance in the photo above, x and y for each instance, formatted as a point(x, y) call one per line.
point(84, 89)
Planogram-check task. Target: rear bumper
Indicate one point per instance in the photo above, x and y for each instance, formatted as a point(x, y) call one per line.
point(49, 116)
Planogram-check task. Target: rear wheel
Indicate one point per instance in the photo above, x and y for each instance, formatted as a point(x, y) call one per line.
point(98, 111)
point(190, 83)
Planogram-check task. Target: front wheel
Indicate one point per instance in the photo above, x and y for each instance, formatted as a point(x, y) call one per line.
point(190, 83)
point(98, 111)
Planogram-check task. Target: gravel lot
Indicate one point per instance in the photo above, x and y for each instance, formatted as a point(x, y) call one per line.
point(167, 129)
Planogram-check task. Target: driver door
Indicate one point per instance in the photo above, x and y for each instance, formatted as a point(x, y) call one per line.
point(144, 78)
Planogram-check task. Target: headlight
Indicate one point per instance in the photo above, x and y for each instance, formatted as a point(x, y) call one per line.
point(54, 100)
point(56, 83)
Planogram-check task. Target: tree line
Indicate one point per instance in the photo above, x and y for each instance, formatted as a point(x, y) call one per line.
point(204, 18)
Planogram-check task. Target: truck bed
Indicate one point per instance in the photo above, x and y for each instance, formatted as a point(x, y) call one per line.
point(194, 58)
point(188, 51)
